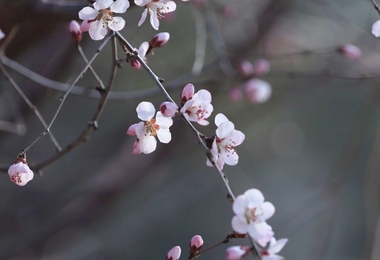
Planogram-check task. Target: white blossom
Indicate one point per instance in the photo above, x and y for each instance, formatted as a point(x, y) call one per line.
point(156, 9)
point(20, 173)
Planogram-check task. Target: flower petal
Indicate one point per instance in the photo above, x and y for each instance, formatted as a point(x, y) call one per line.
point(376, 29)
point(164, 136)
point(143, 49)
point(254, 196)
point(268, 210)
point(277, 246)
point(103, 4)
point(97, 30)
point(143, 17)
point(88, 13)
point(116, 24)
point(225, 129)
point(120, 6)
point(240, 205)
point(142, 2)
point(154, 19)
point(163, 121)
point(145, 111)
point(220, 118)
point(239, 226)
point(148, 144)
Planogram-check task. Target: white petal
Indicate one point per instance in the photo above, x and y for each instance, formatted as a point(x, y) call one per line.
point(278, 246)
point(154, 19)
point(163, 121)
point(239, 226)
point(120, 6)
point(254, 196)
point(97, 30)
point(143, 17)
point(376, 29)
point(140, 130)
point(102, 4)
point(220, 118)
point(148, 144)
point(258, 230)
point(240, 205)
point(116, 24)
point(169, 6)
point(145, 111)
point(225, 129)
point(268, 210)
point(143, 49)
point(164, 136)
point(229, 156)
point(203, 95)
point(88, 13)
point(236, 138)
point(142, 2)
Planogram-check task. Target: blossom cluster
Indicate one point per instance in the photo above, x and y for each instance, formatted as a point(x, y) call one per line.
point(195, 107)
point(251, 213)
point(99, 18)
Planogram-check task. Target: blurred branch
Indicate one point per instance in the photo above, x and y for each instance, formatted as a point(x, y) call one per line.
point(376, 6)
point(200, 42)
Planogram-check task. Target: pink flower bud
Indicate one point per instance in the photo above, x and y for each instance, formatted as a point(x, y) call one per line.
point(159, 40)
point(235, 94)
point(350, 51)
point(257, 90)
point(136, 147)
point(174, 253)
point(75, 31)
point(187, 93)
point(196, 244)
point(236, 252)
point(246, 68)
point(85, 26)
point(132, 130)
point(168, 109)
point(135, 64)
point(20, 173)
point(261, 67)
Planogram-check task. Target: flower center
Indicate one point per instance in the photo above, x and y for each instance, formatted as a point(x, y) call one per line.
point(16, 178)
point(253, 214)
point(151, 127)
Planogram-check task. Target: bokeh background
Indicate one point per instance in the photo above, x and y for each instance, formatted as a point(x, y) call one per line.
point(312, 149)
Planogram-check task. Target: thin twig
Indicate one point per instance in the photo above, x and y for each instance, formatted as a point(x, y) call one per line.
point(93, 123)
point(30, 104)
point(63, 98)
point(376, 6)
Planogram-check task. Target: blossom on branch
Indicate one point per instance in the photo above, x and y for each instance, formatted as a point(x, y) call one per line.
point(251, 213)
point(273, 249)
point(196, 244)
point(226, 139)
point(237, 252)
point(100, 17)
point(196, 107)
point(20, 173)
point(156, 9)
point(149, 128)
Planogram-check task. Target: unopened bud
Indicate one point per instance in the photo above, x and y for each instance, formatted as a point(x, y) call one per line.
point(237, 252)
point(187, 93)
point(159, 40)
point(246, 68)
point(135, 64)
point(136, 148)
point(168, 109)
point(261, 67)
point(75, 31)
point(258, 91)
point(235, 94)
point(196, 244)
point(174, 253)
point(350, 51)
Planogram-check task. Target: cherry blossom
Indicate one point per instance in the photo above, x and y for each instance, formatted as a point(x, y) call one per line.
point(174, 253)
point(156, 9)
point(273, 249)
point(20, 173)
point(196, 107)
point(236, 252)
point(251, 213)
point(149, 128)
point(226, 139)
point(100, 17)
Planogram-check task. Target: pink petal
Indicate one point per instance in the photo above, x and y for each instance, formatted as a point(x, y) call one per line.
point(239, 225)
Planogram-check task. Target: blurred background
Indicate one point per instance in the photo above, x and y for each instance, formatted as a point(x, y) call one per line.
point(312, 149)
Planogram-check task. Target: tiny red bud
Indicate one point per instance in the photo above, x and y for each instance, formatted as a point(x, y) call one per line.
point(75, 30)
point(135, 64)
